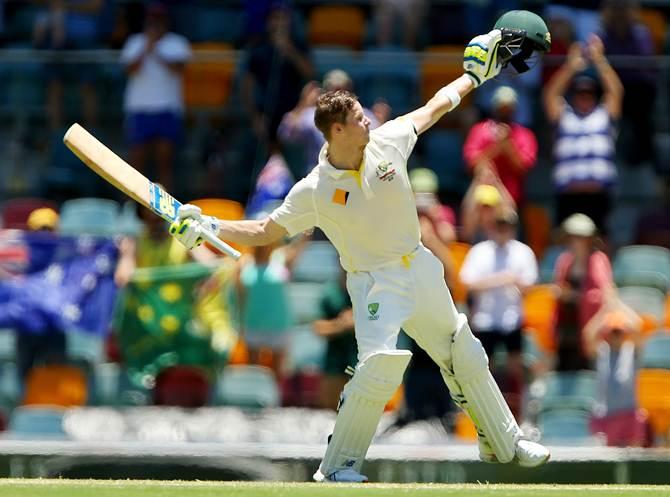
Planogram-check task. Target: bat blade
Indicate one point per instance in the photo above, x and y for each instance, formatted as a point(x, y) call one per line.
point(129, 180)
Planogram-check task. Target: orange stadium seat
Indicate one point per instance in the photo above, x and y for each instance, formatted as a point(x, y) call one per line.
point(458, 251)
point(537, 226)
point(655, 21)
point(539, 306)
point(337, 25)
point(56, 385)
point(222, 208)
point(208, 84)
point(653, 389)
point(440, 65)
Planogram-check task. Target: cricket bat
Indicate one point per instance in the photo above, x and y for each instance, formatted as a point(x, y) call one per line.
point(130, 181)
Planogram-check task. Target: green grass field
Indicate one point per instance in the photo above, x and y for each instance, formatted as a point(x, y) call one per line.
point(134, 488)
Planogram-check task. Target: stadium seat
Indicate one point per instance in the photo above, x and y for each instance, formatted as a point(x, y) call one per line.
point(643, 265)
point(209, 83)
point(10, 389)
point(653, 390)
point(655, 21)
point(107, 376)
point(306, 350)
point(539, 306)
point(327, 59)
point(248, 386)
point(37, 422)
point(444, 155)
point(182, 386)
point(645, 301)
point(89, 216)
point(537, 228)
point(222, 208)
point(337, 25)
point(564, 426)
point(656, 351)
point(305, 299)
point(56, 385)
point(391, 75)
point(317, 262)
point(208, 23)
point(457, 252)
point(566, 389)
point(85, 346)
point(15, 212)
point(440, 65)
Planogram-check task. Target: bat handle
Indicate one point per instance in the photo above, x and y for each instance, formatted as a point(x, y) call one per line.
point(220, 244)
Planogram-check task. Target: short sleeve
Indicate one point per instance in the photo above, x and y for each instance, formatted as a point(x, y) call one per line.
point(132, 49)
point(471, 268)
point(174, 48)
point(400, 133)
point(297, 213)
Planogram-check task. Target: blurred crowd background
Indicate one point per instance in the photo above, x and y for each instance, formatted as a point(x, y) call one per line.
point(545, 195)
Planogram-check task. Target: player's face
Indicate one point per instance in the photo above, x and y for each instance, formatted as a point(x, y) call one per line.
point(357, 126)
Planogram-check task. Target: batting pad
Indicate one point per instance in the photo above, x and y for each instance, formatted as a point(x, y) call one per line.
point(474, 389)
point(363, 399)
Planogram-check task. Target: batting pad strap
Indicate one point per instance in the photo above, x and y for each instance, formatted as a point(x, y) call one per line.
point(479, 394)
point(363, 399)
point(452, 94)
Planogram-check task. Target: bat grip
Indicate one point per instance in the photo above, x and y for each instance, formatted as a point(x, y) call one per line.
point(220, 244)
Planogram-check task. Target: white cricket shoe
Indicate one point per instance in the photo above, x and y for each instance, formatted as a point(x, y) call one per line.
point(347, 475)
point(527, 454)
point(531, 454)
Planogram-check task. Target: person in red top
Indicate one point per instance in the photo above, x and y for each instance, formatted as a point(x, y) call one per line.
point(583, 274)
point(501, 146)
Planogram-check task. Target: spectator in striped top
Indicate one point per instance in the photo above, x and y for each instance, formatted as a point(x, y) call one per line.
point(584, 149)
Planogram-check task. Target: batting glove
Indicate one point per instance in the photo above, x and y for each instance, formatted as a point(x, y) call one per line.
point(189, 226)
point(480, 59)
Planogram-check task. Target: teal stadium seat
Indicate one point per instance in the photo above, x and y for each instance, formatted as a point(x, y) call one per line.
point(568, 389)
point(248, 386)
point(548, 263)
point(37, 423)
point(305, 299)
point(208, 23)
point(565, 426)
point(107, 382)
point(10, 389)
point(646, 301)
point(444, 155)
point(318, 262)
point(306, 350)
point(391, 75)
point(656, 351)
point(328, 58)
point(643, 265)
point(89, 216)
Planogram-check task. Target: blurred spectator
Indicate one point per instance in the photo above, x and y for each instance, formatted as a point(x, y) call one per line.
point(44, 219)
point(407, 14)
point(584, 148)
point(582, 15)
point(71, 25)
point(297, 126)
point(436, 220)
point(277, 69)
point(272, 185)
point(624, 35)
point(562, 37)
point(653, 226)
point(154, 61)
point(584, 277)
point(478, 211)
point(611, 341)
point(501, 147)
point(496, 273)
point(266, 319)
point(337, 327)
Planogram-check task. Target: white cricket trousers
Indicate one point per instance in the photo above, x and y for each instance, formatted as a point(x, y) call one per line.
point(411, 295)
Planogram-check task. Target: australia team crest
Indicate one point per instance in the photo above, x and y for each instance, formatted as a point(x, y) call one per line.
point(385, 172)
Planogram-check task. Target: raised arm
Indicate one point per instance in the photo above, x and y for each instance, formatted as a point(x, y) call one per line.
point(554, 92)
point(480, 62)
point(612, 86)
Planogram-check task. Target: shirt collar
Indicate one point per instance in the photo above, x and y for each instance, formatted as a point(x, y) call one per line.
point(333, 172)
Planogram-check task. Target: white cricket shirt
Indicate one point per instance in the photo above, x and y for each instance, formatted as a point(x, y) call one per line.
point(369, 215)
point(154, 87)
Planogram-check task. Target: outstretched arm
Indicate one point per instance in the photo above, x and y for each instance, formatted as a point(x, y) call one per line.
point(480, 61)
point(554, 101)
point(612, 86)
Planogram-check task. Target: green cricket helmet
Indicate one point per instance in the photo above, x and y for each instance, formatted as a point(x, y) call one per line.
point(524, 35)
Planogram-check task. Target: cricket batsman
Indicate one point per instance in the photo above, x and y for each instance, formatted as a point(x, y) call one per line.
point(359, 195)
